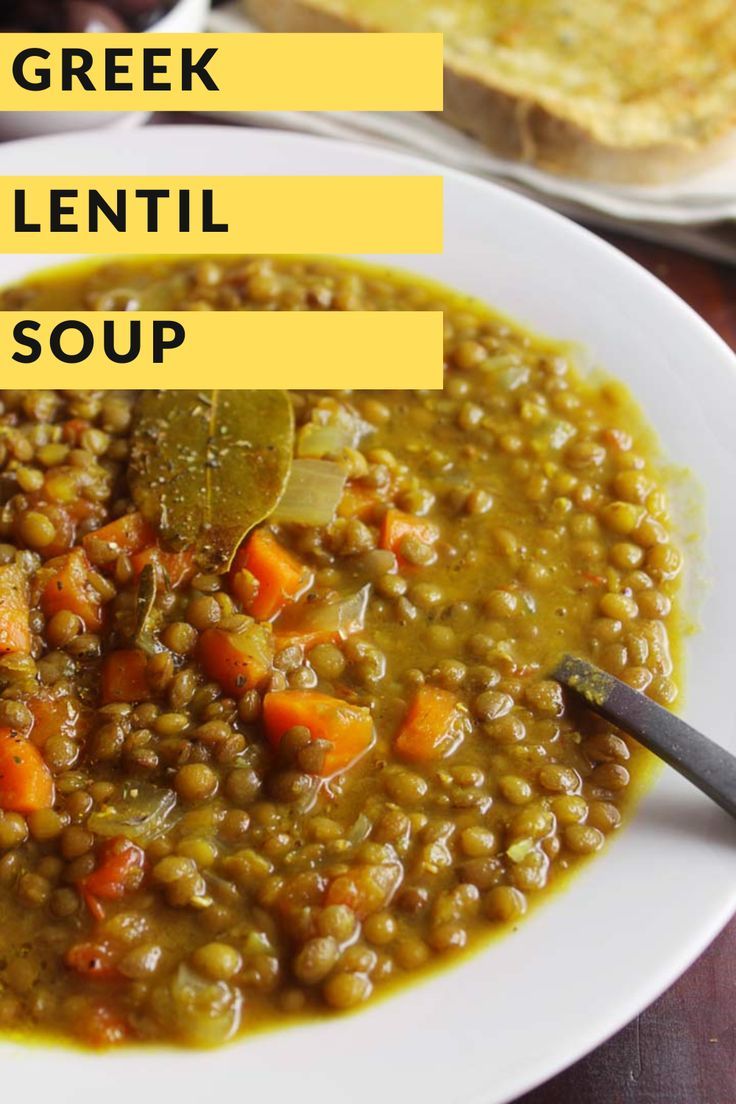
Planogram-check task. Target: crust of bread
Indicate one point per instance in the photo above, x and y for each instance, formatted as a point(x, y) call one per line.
point(519, 128)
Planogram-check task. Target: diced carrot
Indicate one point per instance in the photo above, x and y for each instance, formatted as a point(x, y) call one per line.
point(123, 677)
point(73, 430)
point(150, 555)
point(94, 961)
point(26, 783)
point(280, 576)
point(349, 728)
point(101, 1026)
point(66, 586)
point(359, 501)
point(239, 661)
point(179, 566)
point(121, 870)
point(365, 889)
point(128, 534)
point(53, 716)
point(433, 727)
point(15, 628)
point(398, 525)
point(131, 535)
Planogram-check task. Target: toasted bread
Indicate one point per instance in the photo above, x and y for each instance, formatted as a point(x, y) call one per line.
point(614, 90)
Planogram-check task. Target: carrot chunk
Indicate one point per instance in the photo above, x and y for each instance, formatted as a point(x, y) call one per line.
point(365, 889)
point(179, 566)
point(73, 429)
point(128, 534)
point(53, 716)
point(101, 1027)
point(433, 727)
point(280, 577)
point(121, 870)
point(123, 677)
point(131, 535)
point(349, 728)
point(239, 661)
point(15, 628)
point(95, 961)
point(397, 526)
point(359, 501)
point(26, 783)
point(66, 586)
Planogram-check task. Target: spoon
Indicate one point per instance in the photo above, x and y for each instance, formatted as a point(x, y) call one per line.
point(704, 763)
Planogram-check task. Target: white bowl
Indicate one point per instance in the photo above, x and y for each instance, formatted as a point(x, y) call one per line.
point(592, 957)
point(186, 16)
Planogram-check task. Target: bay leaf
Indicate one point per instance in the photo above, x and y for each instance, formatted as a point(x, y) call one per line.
point(207, 466)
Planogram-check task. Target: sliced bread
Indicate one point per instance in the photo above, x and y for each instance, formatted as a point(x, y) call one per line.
point(614, 90)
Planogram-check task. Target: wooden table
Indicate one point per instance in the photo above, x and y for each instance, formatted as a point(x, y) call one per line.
point(682, 1049)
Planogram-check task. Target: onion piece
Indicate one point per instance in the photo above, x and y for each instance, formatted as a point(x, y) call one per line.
point(312, 493)
point(360, 830)
point(142, 813)
point(519, 850)
point(554, 434)
point(331, 430)
point(333, 619)
point(318, 441)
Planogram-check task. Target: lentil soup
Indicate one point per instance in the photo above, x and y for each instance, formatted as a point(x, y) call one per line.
point(241, 798)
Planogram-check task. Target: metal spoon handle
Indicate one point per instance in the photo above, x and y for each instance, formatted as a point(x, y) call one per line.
point(704, 763)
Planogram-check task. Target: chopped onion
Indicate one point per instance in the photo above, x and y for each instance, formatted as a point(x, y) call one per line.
point(142, 813)
point(528, 600)
point(514, 376)
point(322, 440)
point(554, 434)
point(336, 617)
point(360, 830)
point(518, 851)
point(312, 493)
point(332, 429)
point(508, 370)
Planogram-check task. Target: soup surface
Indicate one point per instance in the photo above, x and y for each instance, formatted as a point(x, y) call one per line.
point(240, 797)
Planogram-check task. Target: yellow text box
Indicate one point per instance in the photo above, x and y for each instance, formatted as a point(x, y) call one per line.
point(249, 350)
point(241, 72)
point(223, 214)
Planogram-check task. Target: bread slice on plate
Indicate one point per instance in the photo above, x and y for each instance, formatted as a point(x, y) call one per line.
point(614, 90)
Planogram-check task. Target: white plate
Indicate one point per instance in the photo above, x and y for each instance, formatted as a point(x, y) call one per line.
point(635, 918)
point(705, 195)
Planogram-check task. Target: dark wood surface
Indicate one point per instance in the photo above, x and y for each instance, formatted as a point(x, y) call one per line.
point(682, 1049)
